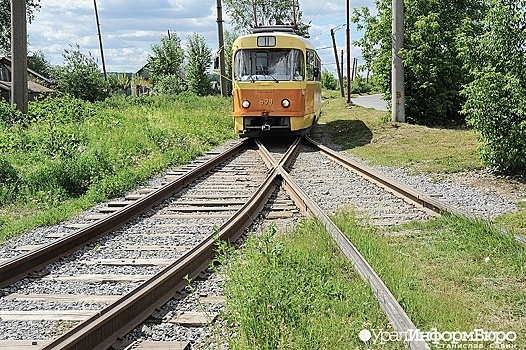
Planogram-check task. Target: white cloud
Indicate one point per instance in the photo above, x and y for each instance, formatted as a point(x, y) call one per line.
point(129, 28)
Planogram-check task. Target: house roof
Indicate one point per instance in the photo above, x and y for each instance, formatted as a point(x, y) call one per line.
point(31, 87)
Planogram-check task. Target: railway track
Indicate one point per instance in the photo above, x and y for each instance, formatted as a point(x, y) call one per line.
point(155, 239)
point(134, 255)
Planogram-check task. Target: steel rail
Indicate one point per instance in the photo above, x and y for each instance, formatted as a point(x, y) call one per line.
point(403, 190)
point(104, 328)
point(21, 266)
point(392, 308)
point(118, 319)
point(285, 160)
point(394, 311)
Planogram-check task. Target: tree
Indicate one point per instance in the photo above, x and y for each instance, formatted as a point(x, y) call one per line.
point(199, 58)
point(495, 99)
point(434, 73)
point(5, 22)
point(267, 12)
point(81, 77)
point(39, 64)
point(165, 66)
point(328, 80)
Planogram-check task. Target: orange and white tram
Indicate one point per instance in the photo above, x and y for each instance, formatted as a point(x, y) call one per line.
point(276, 83)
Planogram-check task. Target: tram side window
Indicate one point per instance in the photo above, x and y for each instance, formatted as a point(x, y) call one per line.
point(313, 65)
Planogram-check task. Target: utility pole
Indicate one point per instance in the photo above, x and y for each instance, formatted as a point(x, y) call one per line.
point(397, 73)
point(348, 32)
point(19, 55)
point(342, 62)
point(100, 40)
point(340, 78)
point(222, 71)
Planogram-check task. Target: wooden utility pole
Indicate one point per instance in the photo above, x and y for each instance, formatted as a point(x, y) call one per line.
point(348, 32)
point(340, 78)
point(222, 70)
point(19, 55)
point(397, 73)
point(100, 40)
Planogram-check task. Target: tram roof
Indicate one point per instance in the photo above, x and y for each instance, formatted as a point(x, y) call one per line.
point(283, 39)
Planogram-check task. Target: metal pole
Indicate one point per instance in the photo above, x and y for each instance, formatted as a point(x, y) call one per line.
point(100, 41)
point(19, 55)
point(340, 78)
point(348, 32)
point(397, 74)
point(222, 71)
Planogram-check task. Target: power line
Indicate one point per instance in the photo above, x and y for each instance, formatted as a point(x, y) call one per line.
point(317, 12)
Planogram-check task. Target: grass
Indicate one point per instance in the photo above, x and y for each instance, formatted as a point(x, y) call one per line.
point(449, 273)
point(369, 134)
point(72, 155)
point(514, 222)
point(296, 291)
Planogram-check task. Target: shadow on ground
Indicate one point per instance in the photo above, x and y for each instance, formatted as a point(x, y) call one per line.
point(349, 133)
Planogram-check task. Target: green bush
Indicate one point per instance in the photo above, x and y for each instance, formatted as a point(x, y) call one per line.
point(328, 81)
point(76, 175)
point(495, 107)
point(10, 115)
point(80, 77)
point(495, 99)
point(169, 85)
point(62, 109)
point(360, 85)
point(433, 73)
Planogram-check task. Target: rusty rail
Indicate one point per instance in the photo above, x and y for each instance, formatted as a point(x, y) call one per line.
point(103, 329)
point(401, 189)
point(118, 319)
point(394, 311)
point(21, 266)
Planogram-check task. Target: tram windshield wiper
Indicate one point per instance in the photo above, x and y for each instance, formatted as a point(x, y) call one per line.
point(265, 72)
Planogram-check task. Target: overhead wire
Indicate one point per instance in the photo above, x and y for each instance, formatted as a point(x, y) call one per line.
point(318, 12)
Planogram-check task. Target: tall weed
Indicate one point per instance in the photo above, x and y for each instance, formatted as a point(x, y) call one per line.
point(9, 180)
point(70, 154)
point(296, 291)
point(450, 273)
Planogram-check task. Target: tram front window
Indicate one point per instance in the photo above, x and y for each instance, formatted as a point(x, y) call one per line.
point(271, 65)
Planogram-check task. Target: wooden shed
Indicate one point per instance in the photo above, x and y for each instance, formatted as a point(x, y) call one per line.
point(37, 84)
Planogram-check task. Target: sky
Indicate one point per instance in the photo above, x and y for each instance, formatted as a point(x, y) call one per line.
point(130, 28)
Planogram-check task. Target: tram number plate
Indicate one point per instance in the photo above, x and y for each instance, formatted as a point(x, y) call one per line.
point(266, 102)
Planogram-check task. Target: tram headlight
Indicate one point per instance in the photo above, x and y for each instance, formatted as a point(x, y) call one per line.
point(245, 103)
point(285, 103)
